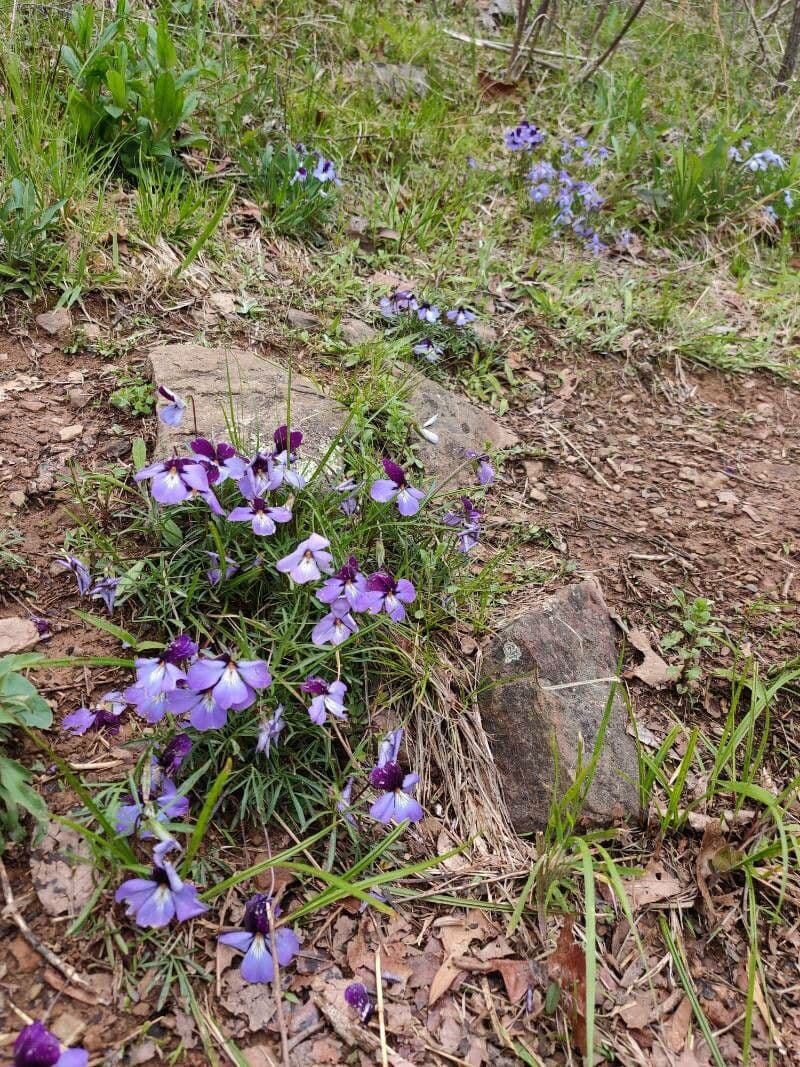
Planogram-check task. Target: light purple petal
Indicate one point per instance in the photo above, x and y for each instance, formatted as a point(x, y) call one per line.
point(383, 808)
point(238, 939)
point(241, 514)
point(205, 673)
point(408, 500)
point(231, 688)
point(255, 672)
point(405, 591)
point(187, 905)
point(73, 1057)
point(78, 722)
point(383, 491)
point(257, 964)
point(286, 945)
point(406, 807)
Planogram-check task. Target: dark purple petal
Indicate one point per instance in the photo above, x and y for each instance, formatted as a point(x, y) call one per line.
point(389, 776)
point(394, 471)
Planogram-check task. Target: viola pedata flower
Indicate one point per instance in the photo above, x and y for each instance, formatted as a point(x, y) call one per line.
point(80, 570)
point(428, 313)
point(358, 998)
point(173, 481)
point(222, 459)
point(524, 137)
point(386, 593)
point(35, 1046)
point(261, 516)
point(309, 561)
point(105, 589)
point(461, 316)
point(400, 301)
point(106, 714)
point(171, 413)
point(395, 804)
point(325, 171)
point(428, 350)
point(175, 752)
point(154, 902)
point(270, 731)
point(256, 942)
point(468, 521)
point(167, 806)
point(214, 572)
point(201, 707)
point(261, 476)
point(327, 699)
point(396, 487)
point(483, 468)
point(233, 683)
point(348, 583)
point(300, 175)
point(336, 626)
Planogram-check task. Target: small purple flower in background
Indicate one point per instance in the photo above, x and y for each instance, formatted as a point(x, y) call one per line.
point(734, 154)
point(35, 1046)
point(595, 244)
point(428, 350)
point(349, 506)
point(765, 159)
point(106, 713)
point(106, 590)
point(540, 192)
point(624, 239)
point(395, 804)
point(172, 481)
point(286, 441)
point(469, 520)
point(328, 699)
point(233, 683)
point(223, 459)
point(80, 570)
point(270, 731)
point(43, 626)
point(299, 175)
point(214, 573)
point(170, 413)
point(524, 137)
point(483, 467)
point(309, 561)
point(541, 172)
point(336, 626)
point(395, 486)
point(154, 902)
point(347, 583)
point(325, 171)
point(345, 801)
point(168, 805)
point(261, 476)
point(175, 752)
point(461, 316)
point(261, 516)
point(357, 997)
point(256, 943)
point(429, 313)
point(400, 301)
point(152, 706)
point(286, 444)
point(386, 593)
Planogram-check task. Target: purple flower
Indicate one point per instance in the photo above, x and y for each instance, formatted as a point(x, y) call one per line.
point(214, 573)
point(349, 506)
point(429, 313)
point(154, 902)
point(222, 458)
point(286, 441)
point(347, 583)
point(357, 997)
point(170, 413)
point(176, 480)
point(261, 476)
point(152, 705)
point(595, 244)
point(401, 300)
point(43, 626)
point(540, 192)
point(524, 137)
point(166, 807)
point(232, 682)
point(175, 752)
point(385, 489)
point(461, 316)
point(180, 649)
point(106, 713)
point(106, 590)
point(395, 804)
point(328, 699)
point(257, 944)
point(270, 731)
point(202, 708)
point(37, 1047)
point(541, 172)
point(336, 626)
point(468, 519)
point(161, 674)
point(80, 570)
point(261, 516)
point(299, 175)
point(309, 560)
point(325, 171)
point(428, 350)
point(286, 444)
point(386, 593)
point(483, 467)
point(765, 159)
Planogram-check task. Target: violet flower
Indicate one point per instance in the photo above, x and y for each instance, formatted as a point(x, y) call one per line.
point(270, 731)
point(233, 683)
point(401, 300)
point(106, 713)
point(202, 708)
point(386, 593)
point(395, 804)
point(286, 444)
point(468, 519)
point(357, 997)
point(347, 583)
point(223, 458)
point(257, 944)
point(152, 705)
point(168, 805)
point(172, 481)
point(161, 674)
point(543, 171)
point(80, 570)
point(349, 506)
point(429, 313)
point(299, 175)
point(309, 560)
point(325, 171)
point(336, 626)
point(214, 573)
point(524, 137)
point(105, 589)
point(154, 902)
point(35, 1046)
point(261, 516)
point(261, 476)
point(327, 699)
point(395, 486)
point(175, 752)
point(171, 413)
point(428, 350)
point(483, 467)
point(461, 316)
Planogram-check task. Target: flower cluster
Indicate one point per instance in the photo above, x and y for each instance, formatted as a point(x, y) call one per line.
point(322, 169)
point(524, 137)
point(404, 302)
point(574, 200)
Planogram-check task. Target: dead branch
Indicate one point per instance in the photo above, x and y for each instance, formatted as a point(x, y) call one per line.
point(597, 63)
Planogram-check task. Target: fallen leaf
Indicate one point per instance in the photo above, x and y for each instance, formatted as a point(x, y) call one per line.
point(653, 670)
point(248, 999)
point(677, 1029)
point(655, 885)
point(62, 871)
point(567, 965)
point(442, 980)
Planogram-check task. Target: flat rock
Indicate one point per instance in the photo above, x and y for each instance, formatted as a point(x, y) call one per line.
point(56, 322)
point(17, 635)
point(356, 332)
point(460, 426)
point(545, 692)
point(303, 320)
point(398, 80)
point(259, 391)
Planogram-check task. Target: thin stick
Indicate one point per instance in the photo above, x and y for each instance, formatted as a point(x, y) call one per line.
point(578, 452)
point(379, 998)
point(614, 44)
point(276, 987)
point(66, 969)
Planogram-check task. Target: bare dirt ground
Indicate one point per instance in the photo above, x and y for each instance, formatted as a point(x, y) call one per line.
point(650, 482)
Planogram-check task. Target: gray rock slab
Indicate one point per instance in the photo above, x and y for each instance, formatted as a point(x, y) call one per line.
point(543, 692)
